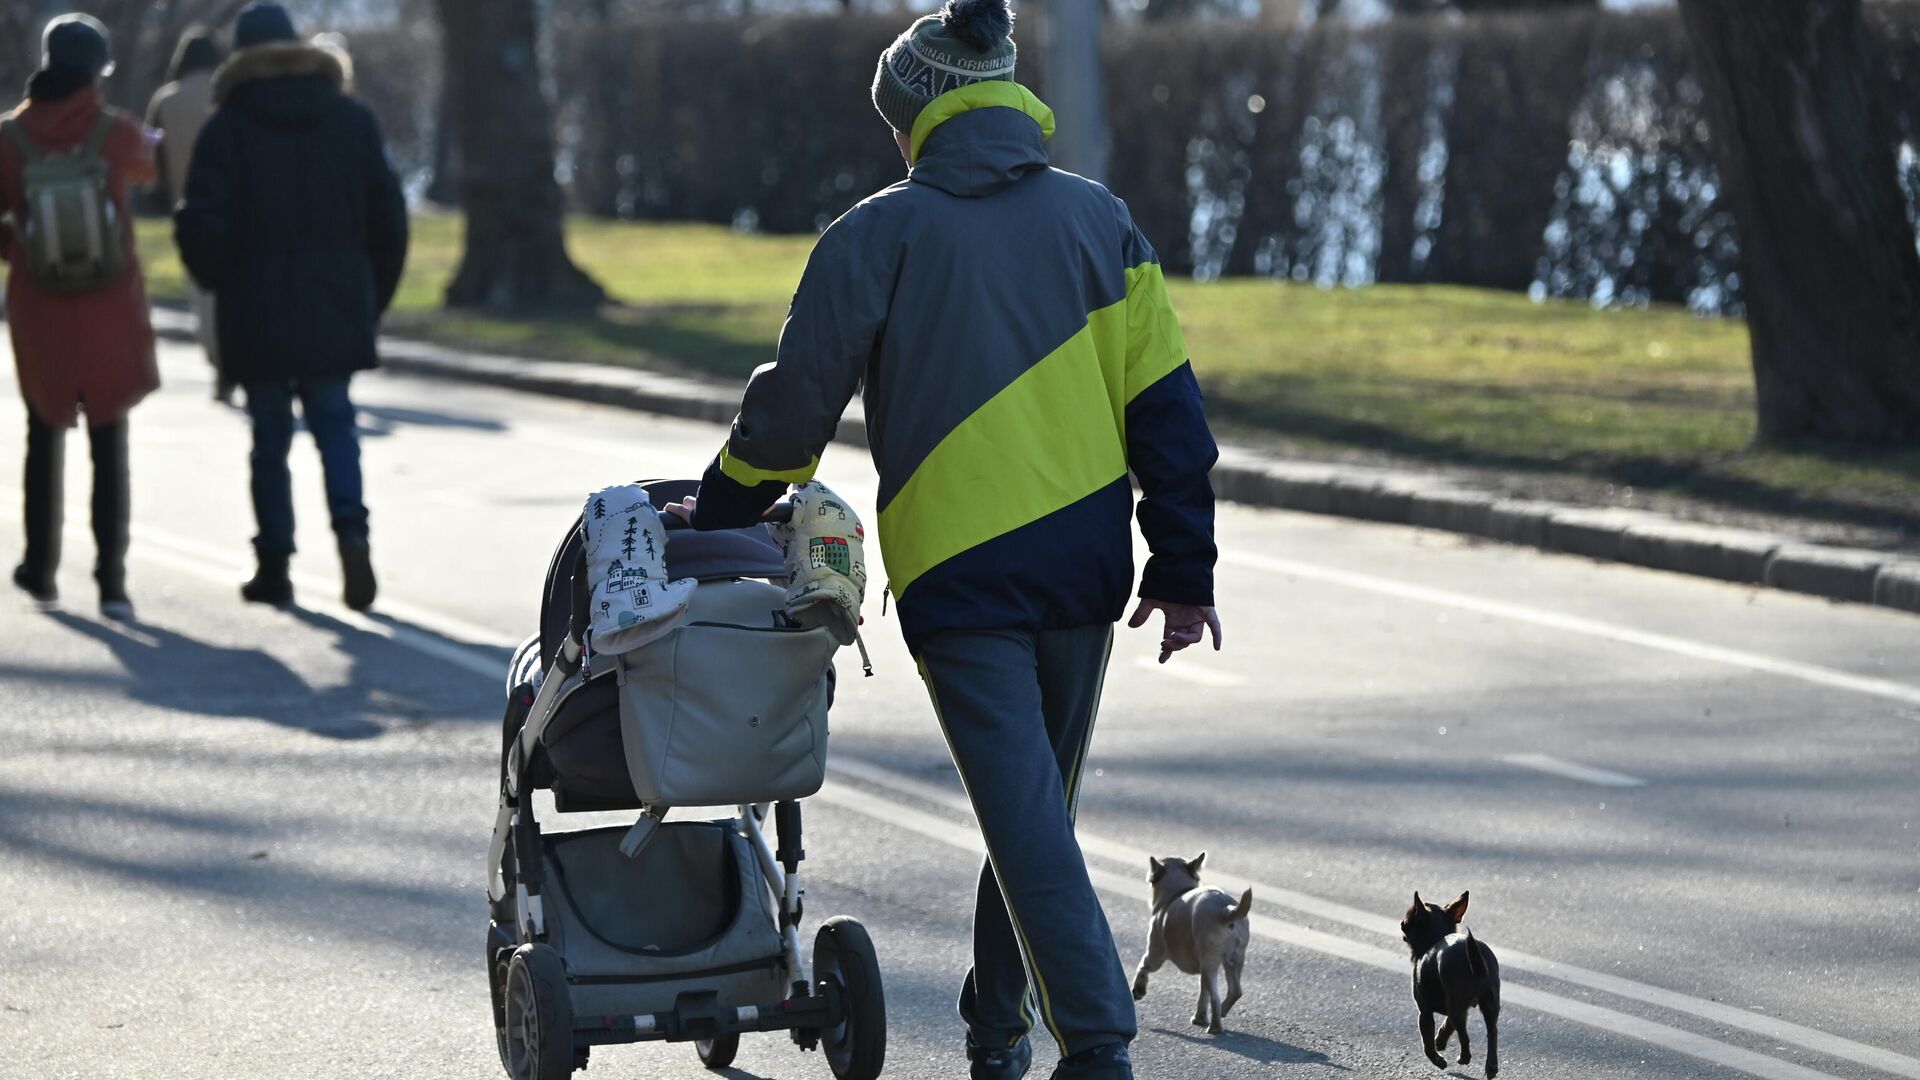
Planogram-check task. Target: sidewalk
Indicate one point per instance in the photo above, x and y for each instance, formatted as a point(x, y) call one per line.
point(1394, 496)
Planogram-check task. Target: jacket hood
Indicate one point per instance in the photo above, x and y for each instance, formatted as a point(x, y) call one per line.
point(980, 139)
point(67, 119)
point(283, 84)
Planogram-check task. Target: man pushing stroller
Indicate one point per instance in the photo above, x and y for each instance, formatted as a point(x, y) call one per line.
point(1019, 358)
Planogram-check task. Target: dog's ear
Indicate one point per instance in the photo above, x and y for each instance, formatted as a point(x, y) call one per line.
point(1457, 911)
point(1193, 864)
point(1417, 904)
point(1155, 868)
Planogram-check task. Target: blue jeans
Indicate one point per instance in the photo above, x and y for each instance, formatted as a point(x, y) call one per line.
point(1017, 708)
point(329, 416)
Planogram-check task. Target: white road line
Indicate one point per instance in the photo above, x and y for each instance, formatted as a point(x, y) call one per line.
point(1698, 650)
point(214, 564)
point(1182, 668)
point(1573, 770)
point(1595, 1016)
point(1511, 959)
point(194, 559)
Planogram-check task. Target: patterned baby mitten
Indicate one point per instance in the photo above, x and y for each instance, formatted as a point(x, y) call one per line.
point(632, 601)
point(826, 562)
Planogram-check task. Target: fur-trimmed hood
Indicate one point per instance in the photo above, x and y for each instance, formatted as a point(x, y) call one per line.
point(278, 60)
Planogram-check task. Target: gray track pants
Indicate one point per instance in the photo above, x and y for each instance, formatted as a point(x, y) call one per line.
point(1017, 709)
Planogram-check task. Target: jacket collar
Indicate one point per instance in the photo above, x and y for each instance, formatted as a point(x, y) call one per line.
point(981, 95)
point(980, 138)
point(278, 60)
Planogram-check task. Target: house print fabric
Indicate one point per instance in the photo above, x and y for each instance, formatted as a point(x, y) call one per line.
point(826, 561)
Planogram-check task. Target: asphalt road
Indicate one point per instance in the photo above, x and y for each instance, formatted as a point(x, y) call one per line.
point(238, 842)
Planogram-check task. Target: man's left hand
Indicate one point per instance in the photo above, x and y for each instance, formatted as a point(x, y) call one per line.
point(1186, 624)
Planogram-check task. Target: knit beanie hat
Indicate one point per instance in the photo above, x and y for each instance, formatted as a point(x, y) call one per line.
point(262, 24)
point(967, 41)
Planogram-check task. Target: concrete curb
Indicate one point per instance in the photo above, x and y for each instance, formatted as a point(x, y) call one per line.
point(1392, 496)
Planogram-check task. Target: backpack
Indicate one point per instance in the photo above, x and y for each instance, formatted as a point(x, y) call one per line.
point(70, 234)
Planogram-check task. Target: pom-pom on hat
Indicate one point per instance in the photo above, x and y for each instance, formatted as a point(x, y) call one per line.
point(966, 41)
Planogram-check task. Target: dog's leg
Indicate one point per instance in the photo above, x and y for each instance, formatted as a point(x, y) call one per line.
point(1156, 956)
point(1444, 1035)
point(1426, 1039)
point(1210, 988)
point(1233, 964)
point(1200, 1010)
point(1490, 1012)
point(1458, 1022)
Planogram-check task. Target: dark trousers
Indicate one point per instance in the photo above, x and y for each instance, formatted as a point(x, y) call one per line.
point(328, 412)
point(46, 500)
point(1017, 709)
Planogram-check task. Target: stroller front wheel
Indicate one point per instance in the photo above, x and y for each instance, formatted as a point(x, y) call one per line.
point(539, 1015)
point(717, 1053)
point(843, 957)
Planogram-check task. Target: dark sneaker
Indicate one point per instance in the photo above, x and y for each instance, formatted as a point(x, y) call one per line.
point(269, 584)
point(115, 604)
point(998, 1062)
point(1100, 1063)
point(44, 594)
point(356, 565)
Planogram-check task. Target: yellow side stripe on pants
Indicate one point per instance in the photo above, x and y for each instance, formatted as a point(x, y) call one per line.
point(1026, 950)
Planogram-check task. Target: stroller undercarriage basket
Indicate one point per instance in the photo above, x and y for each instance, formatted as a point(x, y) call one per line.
point(684, 931)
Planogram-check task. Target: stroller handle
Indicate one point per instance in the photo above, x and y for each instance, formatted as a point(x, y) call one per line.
point(778, 514)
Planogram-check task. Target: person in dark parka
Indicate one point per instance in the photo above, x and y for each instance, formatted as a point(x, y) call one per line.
point(294, 219)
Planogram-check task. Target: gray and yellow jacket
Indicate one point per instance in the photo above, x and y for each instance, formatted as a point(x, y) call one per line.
point(1009, 329)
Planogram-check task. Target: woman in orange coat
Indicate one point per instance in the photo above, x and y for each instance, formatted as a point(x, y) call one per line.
point(88, 352)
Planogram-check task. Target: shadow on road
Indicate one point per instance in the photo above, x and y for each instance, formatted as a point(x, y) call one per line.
point(386, 685)
point(170, 670)
point(1254, 1048)
point(378, 420)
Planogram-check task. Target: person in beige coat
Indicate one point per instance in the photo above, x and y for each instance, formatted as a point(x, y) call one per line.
point(177, 111)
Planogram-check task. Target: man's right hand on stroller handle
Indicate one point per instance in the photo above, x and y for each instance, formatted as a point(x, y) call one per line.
point(679, 515)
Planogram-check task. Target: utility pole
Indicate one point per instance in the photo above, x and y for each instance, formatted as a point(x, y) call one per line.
point(1075, 88)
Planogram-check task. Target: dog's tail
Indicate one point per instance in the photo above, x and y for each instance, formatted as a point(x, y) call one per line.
point(1476, 956)
point(1242, 909)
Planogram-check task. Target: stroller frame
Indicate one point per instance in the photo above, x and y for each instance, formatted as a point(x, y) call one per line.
point(834, 1003)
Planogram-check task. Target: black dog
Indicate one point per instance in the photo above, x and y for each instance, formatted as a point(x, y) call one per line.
point(1452, 973)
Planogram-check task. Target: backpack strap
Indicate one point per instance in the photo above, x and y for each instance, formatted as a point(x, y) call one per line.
point(97, 139)
point(14, 131)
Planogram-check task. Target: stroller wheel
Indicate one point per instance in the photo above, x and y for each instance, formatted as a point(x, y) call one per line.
point(856, 1047)
point(499, 952)
point(717, 1053)
point(539, 1016)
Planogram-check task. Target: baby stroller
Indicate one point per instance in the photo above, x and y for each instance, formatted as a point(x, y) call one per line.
point(686, 931)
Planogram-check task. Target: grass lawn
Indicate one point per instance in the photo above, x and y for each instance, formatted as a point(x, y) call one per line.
point(1656, 399)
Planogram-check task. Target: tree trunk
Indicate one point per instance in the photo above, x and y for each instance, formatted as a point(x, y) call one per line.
point(1801, 130)
point(444, 187)
point(1404, 94)
point(516, 258)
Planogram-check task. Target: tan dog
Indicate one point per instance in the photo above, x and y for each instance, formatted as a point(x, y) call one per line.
point(1203, 931)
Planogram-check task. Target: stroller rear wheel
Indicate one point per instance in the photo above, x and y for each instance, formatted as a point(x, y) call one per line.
point(539, 1015)
point(499, 953)
point(717, 1053)
point(843, 957)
